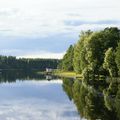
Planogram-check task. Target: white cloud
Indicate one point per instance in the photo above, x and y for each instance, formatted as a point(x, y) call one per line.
point(46, 17)
point(42, 54)
point(31, 54)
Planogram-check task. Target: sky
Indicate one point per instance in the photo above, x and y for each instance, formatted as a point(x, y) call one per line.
point(46, 28)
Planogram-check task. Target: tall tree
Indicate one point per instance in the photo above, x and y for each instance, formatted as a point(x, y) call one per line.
point(117, 59)
point(109, 62)
point(90, 50)
point(79, 60)
point(67, 62)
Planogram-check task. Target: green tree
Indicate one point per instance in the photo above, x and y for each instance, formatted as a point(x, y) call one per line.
point(10, 62)
point(80, 50)
point(90, 50)
point(117, 59)
point(109, 62)
point(67, 62)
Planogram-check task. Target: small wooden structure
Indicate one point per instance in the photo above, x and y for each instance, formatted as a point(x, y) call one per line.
point(49, 70)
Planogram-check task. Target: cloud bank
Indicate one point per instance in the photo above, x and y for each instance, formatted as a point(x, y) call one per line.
point(52, 20)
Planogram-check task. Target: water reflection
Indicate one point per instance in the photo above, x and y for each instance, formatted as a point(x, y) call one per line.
point(95, 99)
point(28, 96)
point(12, 76)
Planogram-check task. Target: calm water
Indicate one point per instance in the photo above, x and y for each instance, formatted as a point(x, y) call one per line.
point(27, 96)
point(95, 98)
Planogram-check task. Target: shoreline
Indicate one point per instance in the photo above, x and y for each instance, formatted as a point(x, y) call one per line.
point(67, 74)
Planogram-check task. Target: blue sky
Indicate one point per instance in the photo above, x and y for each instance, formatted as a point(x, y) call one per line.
point(45, 28)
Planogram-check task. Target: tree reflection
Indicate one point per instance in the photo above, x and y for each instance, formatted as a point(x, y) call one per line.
point(13, 75)
point(95, 99)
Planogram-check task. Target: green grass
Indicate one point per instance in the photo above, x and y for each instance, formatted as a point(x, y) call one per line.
point(68, 74)
point(41, 72)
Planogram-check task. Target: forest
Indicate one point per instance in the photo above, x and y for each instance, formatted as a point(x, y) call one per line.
point(10, 62)
point(96, 52)
point(96, 56)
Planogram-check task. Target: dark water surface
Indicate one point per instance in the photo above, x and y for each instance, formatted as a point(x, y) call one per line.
point(96, 98)
point(28, 96)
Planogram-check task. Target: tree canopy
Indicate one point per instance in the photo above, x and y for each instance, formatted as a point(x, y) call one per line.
point(117, 59)
point(67, 62)
point(10, 62)
point(97, 51)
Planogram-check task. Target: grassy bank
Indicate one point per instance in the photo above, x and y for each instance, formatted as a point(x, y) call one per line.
point(41, 72)
point(69, 74)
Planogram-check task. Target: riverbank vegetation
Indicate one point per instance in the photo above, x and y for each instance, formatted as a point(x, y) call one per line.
point(68, 74)
point(96, 53)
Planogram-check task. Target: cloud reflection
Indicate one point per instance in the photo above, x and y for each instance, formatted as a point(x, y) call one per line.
point(35, 100)
point(37, 110)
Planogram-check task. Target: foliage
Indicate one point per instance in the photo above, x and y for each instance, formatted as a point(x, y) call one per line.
point(67, 62)
point(118, 56)
point(11, 62)
point(79, 60)
point(109, 62)
point(94, 51)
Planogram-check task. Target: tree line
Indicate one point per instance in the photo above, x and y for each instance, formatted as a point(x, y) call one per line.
point(10, 62)
point(96, 52)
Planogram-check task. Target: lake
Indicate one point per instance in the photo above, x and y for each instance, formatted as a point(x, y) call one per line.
point(29, 96)
point(25, 95)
